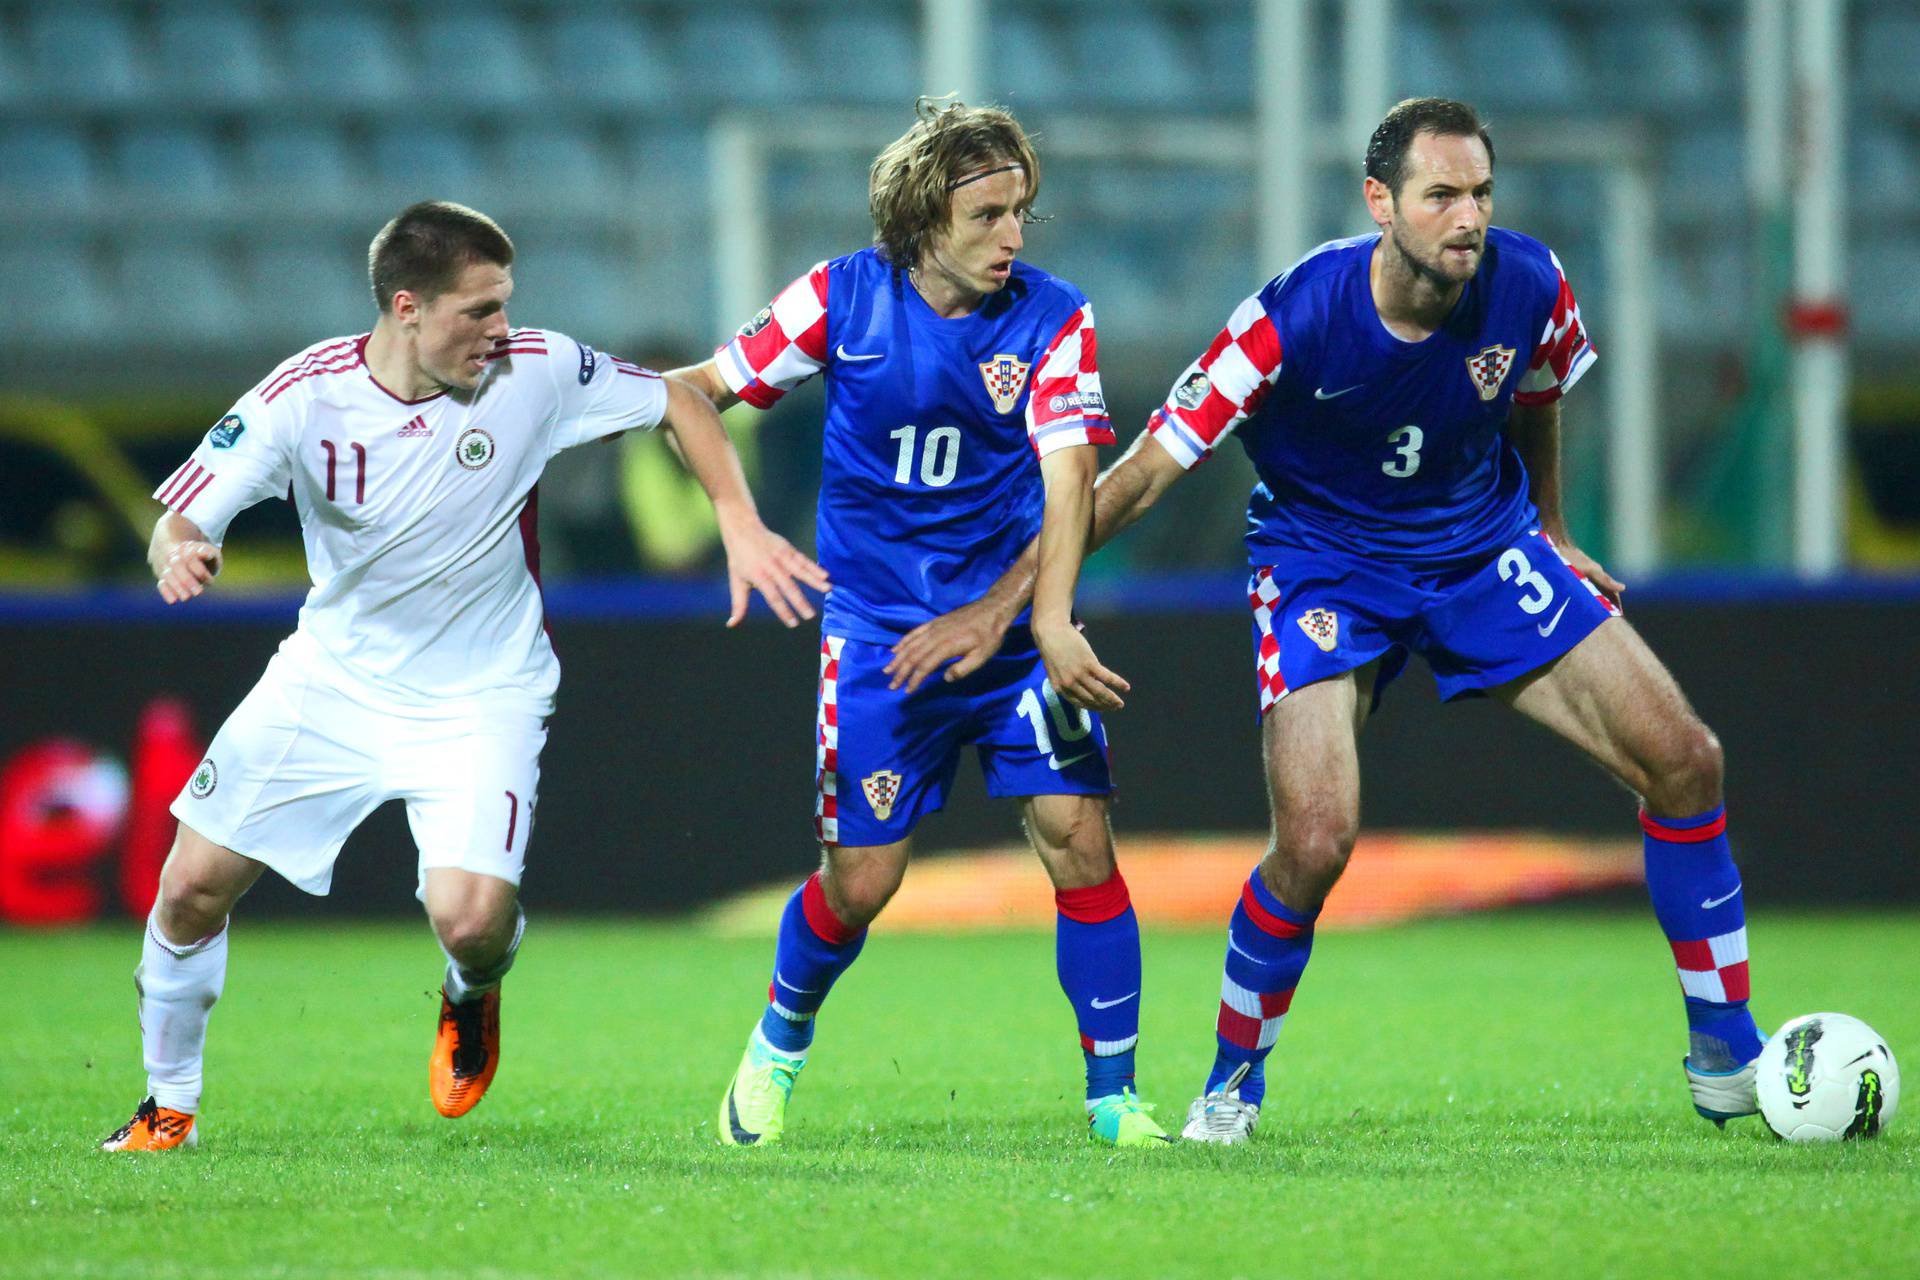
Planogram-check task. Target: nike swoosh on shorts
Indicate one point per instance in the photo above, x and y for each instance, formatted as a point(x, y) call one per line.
point(1548, 629)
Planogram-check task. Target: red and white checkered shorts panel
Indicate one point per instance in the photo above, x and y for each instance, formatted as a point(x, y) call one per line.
point(1263, 594)
point(1594, 591)
point(1714, 968)
point(826, 777)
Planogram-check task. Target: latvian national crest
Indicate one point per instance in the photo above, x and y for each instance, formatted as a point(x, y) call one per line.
point(882, 789)
point(1322, 627)
point(1489, 369)
point(1005, 377)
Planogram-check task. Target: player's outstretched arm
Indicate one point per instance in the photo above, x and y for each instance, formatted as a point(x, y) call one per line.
point(1535, 432)
point(971, 634)
point(1065, 527)
point(182, 559)
point(758, 559)
point(706, 379)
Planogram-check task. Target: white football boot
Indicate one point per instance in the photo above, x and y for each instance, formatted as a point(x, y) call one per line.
point(1221, 1116)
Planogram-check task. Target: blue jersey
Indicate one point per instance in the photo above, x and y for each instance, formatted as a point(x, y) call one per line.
point(1365, 443)
point(931, 483)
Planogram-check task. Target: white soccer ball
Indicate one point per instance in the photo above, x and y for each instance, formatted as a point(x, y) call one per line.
point(1827, 1076)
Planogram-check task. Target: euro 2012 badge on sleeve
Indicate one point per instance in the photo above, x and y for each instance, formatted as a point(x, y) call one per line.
point(204, 780)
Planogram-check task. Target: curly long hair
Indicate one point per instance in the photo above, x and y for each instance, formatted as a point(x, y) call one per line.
point(910, 187)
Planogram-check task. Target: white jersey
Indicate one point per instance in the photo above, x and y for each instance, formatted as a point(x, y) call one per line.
point(419, 515)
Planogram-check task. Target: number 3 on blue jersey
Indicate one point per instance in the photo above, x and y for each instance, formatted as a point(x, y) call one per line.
point(1407, 440)
point(939, 460)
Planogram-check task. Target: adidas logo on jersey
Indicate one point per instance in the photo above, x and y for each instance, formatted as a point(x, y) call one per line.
point(416, 426)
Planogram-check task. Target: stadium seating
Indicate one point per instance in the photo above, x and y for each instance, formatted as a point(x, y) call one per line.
point(61, 277)
point(44, 161)
point(83, 54)
point(207, 55)
point(599, 115)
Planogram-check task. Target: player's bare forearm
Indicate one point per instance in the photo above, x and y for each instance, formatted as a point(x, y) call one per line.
point(971, 634)
point(1064, 529)
point(1131, 486)
point(184, 561)
point(1535, 432)
point(758, 559)
point(1121, 495)
point(705, 378)
point(1076, 674)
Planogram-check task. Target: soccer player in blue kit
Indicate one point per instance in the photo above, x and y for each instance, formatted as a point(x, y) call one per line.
point(1398, 394)
point(963, 407)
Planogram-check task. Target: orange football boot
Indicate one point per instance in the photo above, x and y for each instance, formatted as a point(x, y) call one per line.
point(153, 1128)
point(465, 1053)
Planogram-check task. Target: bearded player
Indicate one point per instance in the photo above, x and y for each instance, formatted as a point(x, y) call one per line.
point(420, 669)
point(1398, 394)
point(963, 407)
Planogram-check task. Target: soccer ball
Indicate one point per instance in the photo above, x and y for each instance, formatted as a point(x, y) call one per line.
point(1827, 1076)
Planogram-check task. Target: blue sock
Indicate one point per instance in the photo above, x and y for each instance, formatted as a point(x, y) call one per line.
point(1097, 952)
point(1696, 896)
point(1267, 948)
point(814, 949)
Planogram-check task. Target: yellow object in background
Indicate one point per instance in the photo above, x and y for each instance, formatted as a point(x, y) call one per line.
point(672, 521)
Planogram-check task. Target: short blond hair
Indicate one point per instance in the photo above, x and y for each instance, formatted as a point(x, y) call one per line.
point(910, 187)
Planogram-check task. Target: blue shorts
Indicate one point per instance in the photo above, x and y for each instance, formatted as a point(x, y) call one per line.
point(885, 758)
point(1320, 614)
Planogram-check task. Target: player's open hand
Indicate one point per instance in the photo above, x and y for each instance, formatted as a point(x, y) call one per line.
point(1589, 568)
point(758, 559)
point(1074, 671)
point(190, 566)
point(966, 637)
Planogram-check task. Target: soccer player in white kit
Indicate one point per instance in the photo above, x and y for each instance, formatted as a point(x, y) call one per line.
point(420, 669)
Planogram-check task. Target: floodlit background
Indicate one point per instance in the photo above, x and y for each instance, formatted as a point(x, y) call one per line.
point(187, 191)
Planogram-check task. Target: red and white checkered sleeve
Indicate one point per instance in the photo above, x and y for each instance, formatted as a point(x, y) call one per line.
point(1563, 352)
point(781, 347)
point(1219, 390)
point(1067, 407)
point(241, 461)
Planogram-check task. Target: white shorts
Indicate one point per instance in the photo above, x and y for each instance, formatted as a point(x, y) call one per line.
point(310, 752)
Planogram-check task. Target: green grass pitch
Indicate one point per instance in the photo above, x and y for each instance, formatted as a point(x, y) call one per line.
point(1493, 1096)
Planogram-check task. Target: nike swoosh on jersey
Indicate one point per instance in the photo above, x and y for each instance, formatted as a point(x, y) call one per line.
point(1056, 764)
point(1098, 1003)
point(1321, 393)
point(1711, 903)
point(1547, 630)
point(841, 353)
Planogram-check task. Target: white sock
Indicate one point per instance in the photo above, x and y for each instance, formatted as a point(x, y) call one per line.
point(463, 985)
point(178, 986)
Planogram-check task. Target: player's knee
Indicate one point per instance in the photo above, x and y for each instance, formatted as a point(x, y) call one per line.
point(1077, 853)
point(190, 905)
point(474, 939)
point(857, 895)
point(1690, 778)
point(1306, 858)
